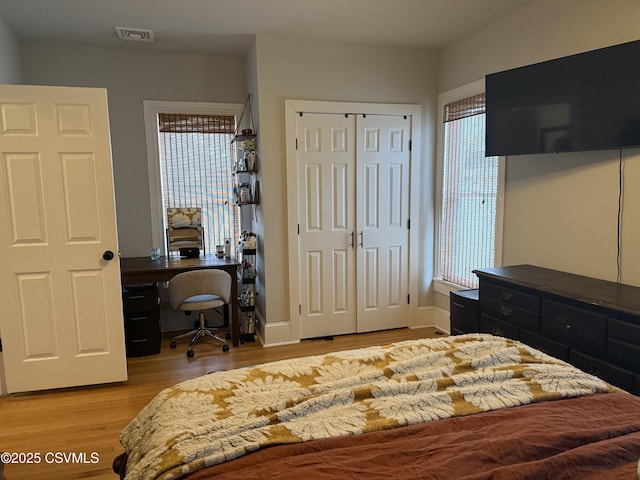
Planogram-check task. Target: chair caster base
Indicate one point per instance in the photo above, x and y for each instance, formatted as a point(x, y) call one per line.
point(173, 344)
point(225, 348)
point(191, 353)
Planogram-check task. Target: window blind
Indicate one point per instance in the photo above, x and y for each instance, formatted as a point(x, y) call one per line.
point(470, 182)
point(196, 169)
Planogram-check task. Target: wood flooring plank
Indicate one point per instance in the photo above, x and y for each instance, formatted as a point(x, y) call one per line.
point(88, 420)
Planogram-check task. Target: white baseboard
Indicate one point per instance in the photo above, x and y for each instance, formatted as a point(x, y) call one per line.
point(432, 317)
point(279, 333)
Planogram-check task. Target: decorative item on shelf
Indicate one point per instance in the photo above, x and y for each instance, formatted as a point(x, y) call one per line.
point(244, 193)
point(247, 273)
point(248, 240)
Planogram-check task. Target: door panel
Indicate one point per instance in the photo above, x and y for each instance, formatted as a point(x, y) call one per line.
point(382, 262)
point(326, 224)
point(353, 192)
point(62, 319)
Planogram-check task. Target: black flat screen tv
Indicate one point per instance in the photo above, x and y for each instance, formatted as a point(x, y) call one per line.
point(588, 101)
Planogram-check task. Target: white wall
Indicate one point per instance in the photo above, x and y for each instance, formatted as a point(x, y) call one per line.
point(131, 76)
point(560, 210)
point(308, 70)
point(10, 70)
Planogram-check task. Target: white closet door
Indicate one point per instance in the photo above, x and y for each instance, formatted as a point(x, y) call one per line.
point(61, 304)
point(382, 207)
point(326, 219)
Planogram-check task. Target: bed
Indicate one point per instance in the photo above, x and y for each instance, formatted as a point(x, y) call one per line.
point(464, 407)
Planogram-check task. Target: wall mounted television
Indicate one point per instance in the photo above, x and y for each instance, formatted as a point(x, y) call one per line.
point(588, 101)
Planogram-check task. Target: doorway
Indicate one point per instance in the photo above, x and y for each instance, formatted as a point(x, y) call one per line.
point(352, 245)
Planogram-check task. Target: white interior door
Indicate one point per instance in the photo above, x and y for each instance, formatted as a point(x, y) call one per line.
point(61, 322)
point(383, 159)
point(326, 222)
point(353, 211)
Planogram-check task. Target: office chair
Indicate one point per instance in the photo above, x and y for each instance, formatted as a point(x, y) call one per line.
point(200, 290)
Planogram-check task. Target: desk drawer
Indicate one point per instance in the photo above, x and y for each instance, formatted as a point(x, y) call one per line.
point(140, 298)
point(148, 345)
point(514, 297)
point(576, 326)
point(140, 325)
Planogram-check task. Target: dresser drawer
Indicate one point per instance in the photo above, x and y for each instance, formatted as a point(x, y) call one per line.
point(623, 330)
point(511, 313)
point(624, 354)
point(140, 298)
point(497, 327)
point(550, 347)
point(609, 373)
point(514, 297)
point(576, 326)
point(464, 309)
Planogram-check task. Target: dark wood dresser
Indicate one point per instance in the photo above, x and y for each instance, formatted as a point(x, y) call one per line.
point(593, 324)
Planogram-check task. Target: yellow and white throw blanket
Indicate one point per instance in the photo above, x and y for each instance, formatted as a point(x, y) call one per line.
point(221, 416)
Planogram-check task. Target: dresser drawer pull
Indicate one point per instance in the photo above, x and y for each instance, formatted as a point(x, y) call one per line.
point(138, 318)
point(507, 295)
point(459, 305)
point(136, 297)
point(568, 327)
point(505, 311)
point(140, 340)
point(497, 331)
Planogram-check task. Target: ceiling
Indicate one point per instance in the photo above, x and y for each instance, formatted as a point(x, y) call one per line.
point(228, 26)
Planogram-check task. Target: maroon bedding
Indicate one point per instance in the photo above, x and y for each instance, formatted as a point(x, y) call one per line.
point(591, 437)
point(588, 438)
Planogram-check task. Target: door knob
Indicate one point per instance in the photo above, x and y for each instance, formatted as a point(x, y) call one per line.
point(108, 255)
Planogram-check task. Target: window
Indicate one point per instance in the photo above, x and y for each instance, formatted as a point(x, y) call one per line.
point(470, 185)
point(196, 170)
point(190, 162)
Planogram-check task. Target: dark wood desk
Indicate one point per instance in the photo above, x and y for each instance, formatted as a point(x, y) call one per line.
point(135, 270)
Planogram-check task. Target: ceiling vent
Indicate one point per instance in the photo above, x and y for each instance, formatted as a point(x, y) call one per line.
point(134, 34)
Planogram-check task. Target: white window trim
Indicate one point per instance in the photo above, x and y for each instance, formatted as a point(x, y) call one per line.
point(151, 110)
point(465, 91)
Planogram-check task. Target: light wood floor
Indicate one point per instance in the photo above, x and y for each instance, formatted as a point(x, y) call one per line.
point(89, 419)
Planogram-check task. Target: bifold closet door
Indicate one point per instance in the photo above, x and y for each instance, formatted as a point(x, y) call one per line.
point(326, 224)
point(382, 214)
point(353, 199)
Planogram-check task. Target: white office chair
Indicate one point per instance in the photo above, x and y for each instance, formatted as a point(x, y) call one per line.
point(200, 290)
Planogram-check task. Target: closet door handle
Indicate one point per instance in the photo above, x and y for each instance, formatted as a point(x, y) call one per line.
point(361, 238)
point(353, 239)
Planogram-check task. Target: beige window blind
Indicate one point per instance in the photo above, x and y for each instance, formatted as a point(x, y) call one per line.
point(469, 189)
point(196, 168)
